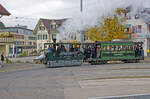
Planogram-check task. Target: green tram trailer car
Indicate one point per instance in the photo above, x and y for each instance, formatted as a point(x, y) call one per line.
point(62, 54)
point(126, 51)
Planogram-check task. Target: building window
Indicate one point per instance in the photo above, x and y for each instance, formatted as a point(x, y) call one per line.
point(128, 28)
point(54, 36)
point(53, 26)
point(137, 29)
point(34, 43)
point(71, 37)
point(136, 16)
point(149, 27)
point(19, 43)
point(45, 37)
point(29, 43)
point(42, 28)
point(128, 16)
point(140, 28)
point(75, 37)
point(39, 37)
point(31, 38)
point(22, 37)
point(18, 36)
point(85, 38)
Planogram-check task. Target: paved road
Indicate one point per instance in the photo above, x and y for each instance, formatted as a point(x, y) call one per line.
point(80, 82)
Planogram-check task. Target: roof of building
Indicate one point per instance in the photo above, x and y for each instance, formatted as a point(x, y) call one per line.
point(3, 11)
point(47, 22)
point(145, 14)
point(16, 30)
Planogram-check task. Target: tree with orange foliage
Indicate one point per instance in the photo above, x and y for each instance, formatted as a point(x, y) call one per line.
point(110, 30)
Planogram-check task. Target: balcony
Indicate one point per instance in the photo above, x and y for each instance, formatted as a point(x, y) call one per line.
point(6, 40)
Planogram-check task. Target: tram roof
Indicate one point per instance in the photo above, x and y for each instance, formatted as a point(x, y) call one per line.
point(60, 43)
point(119, 42)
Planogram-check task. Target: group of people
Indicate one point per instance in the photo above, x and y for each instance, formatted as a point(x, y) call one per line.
point(91, 52)
point(94, 51)
point(139, 51)
point(61, 50)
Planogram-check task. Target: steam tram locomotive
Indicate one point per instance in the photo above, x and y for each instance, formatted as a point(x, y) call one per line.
point(69, 54)
point(62, 54)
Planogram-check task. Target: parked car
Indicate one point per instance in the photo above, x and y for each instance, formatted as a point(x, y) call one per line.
point(41, 57)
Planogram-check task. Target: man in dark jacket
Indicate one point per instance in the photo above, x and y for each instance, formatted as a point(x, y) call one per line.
point(2, 59)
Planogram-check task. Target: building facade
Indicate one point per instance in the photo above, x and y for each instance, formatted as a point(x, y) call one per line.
point(23, 40)
point(46, 31)
point(4, 42)
point(139, 30)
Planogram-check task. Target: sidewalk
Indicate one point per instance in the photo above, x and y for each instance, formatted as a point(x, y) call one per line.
point(24, 59)
point(146, 60)
point(19, 67)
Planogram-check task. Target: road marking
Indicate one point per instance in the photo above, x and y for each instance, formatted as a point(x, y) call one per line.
point(134, 96)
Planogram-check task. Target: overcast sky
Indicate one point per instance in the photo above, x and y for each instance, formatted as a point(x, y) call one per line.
point(29, 11)
point(42, 8)
point(52, 8)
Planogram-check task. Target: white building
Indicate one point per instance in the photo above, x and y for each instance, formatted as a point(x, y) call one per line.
point(140, 30)
point(46, 30)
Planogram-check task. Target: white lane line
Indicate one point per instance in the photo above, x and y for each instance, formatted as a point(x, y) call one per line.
point(121, 96)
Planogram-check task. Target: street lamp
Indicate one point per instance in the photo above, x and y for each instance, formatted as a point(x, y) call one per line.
point(54, 40)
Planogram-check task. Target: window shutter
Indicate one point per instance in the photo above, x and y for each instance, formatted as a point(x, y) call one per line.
point(140, 28)
point(133, 29)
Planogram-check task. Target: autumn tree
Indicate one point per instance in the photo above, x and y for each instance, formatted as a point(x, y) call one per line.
point(5, 35)
point(111, 29)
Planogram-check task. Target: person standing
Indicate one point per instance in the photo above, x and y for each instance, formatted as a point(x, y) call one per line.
point(2, 59)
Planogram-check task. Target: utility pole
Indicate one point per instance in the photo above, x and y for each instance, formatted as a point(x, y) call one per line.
point(81, 38)
point(81, 4)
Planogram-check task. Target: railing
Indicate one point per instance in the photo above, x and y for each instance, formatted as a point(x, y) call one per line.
point(6, 40)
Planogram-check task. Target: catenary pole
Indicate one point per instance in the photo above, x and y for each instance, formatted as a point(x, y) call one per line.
point(81, 37)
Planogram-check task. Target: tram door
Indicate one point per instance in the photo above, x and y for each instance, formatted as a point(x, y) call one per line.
point(98, 51)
